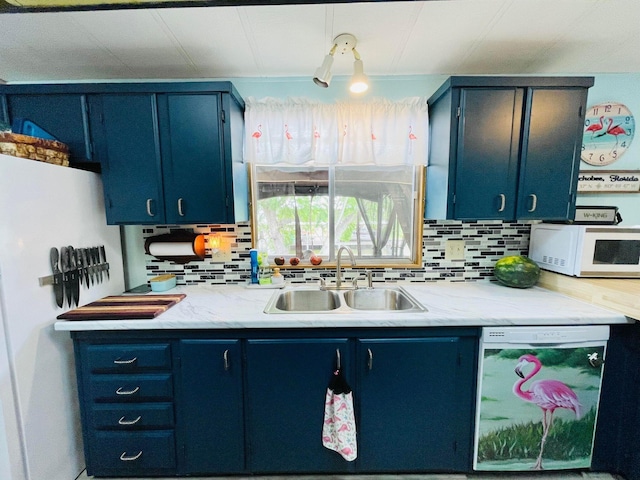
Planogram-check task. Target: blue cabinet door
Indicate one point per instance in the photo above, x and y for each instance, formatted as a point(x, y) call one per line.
point(209, 416)
point(125, 129)
point(192, 159)
point(551, 153)
point(62, 115)
point(486, 167)
point(287, 381)
point(415, 404)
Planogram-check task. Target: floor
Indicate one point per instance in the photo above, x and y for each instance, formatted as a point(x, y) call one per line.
point(480, 476)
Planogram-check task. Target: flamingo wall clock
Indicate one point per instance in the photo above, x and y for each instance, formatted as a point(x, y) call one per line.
point(608, 131)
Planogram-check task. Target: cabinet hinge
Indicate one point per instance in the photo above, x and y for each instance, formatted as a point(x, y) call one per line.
point(454, 198)
point(223, 116)
point(458, 112)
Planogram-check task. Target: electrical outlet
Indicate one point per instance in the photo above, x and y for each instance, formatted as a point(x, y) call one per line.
point(454, 250)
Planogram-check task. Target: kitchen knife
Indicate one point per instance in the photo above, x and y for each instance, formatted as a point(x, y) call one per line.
point(58, 289)
point(75, 275)
point(103, 257)
point(96, 261)
point(85, 266)
point(66, 276)
point(78, 255)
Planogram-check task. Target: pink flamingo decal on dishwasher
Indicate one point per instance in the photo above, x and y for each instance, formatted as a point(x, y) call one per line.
point(549, 395)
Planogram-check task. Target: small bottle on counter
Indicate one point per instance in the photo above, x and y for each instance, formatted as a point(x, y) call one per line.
point(277, 278)
point(254, 266)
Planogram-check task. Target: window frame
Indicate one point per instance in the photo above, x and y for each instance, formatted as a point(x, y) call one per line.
point(418, 222)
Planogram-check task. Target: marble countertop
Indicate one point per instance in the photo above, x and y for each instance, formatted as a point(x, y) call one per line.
point(447, 303)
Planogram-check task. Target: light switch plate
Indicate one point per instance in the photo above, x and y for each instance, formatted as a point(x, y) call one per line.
point(454, 250)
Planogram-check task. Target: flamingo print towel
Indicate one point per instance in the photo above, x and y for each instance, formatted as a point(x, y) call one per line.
point(339, 428)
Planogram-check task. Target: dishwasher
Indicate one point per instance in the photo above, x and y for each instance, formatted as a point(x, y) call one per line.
point(538, 396)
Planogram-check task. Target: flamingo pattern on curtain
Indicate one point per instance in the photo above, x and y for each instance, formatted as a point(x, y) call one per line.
point(305, 132)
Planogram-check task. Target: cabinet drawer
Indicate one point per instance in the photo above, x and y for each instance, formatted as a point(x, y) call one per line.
point(131, 388)
point(132, 453)
point(128, 358)
point(136, 416)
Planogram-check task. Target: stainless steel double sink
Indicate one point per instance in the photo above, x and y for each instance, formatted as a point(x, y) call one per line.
point(316, 300)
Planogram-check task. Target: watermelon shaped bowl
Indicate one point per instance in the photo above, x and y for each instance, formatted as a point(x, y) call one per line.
point(516, 271)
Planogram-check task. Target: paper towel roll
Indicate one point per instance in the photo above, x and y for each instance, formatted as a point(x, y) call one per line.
point(172, 249)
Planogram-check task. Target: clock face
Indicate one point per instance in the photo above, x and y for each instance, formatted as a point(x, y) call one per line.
point(608, 131)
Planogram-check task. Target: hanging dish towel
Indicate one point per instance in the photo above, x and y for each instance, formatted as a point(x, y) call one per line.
point(339, 428)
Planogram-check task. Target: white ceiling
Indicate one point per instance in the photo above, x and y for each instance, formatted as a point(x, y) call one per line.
point(394, 38)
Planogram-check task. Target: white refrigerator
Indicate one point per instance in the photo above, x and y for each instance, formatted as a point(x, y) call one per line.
point(44, 206)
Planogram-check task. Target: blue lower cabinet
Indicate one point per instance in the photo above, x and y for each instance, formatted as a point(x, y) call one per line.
point(415, 403)
point(253, 402)
point(131, 454)
point(286, 382)
point(210, 413)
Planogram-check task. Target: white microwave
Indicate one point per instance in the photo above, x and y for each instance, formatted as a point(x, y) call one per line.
point(586, 250)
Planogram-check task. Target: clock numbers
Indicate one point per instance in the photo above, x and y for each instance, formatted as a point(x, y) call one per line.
point(608, 131)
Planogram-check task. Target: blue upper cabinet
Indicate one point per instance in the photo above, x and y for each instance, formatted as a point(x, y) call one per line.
point(193, 166)
point(171, 153)
point(125, 132)
point(505, 148)
point(62, 114)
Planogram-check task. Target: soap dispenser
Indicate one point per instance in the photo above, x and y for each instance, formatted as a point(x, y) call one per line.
point(277, 278)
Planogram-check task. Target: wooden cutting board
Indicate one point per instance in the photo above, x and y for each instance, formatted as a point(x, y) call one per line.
point(122, 307)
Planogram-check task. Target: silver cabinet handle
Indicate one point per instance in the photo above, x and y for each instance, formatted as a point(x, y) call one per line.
point(122, 421)
point(119, 391)
point(338, 362)
point(225, 357)
point(124, 457)
point(534, 202)
point(370, 361)
point(117, 361)
point(180, 212)
point(149, 212)
point(503, 202)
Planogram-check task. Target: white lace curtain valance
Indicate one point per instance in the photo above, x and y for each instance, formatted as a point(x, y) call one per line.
point(303, 132)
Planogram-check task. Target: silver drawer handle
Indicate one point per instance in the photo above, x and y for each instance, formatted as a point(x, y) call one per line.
point(370, 361)
point(503, 201)
point(124, 457)
point(125, 362)
point(534, 202)
point(180, 211)
point(149, 212)
point(119, 391)
point(122, 421)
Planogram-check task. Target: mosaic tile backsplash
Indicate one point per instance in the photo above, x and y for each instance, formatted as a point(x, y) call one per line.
point(485, 243)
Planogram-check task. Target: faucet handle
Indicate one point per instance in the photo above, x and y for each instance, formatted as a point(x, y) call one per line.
point(321, 281)
point(368, 275)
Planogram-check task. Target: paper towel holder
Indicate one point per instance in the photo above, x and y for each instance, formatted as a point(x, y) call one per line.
point(164, 247)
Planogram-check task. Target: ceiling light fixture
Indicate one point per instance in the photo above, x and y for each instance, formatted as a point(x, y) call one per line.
point(343, 44)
